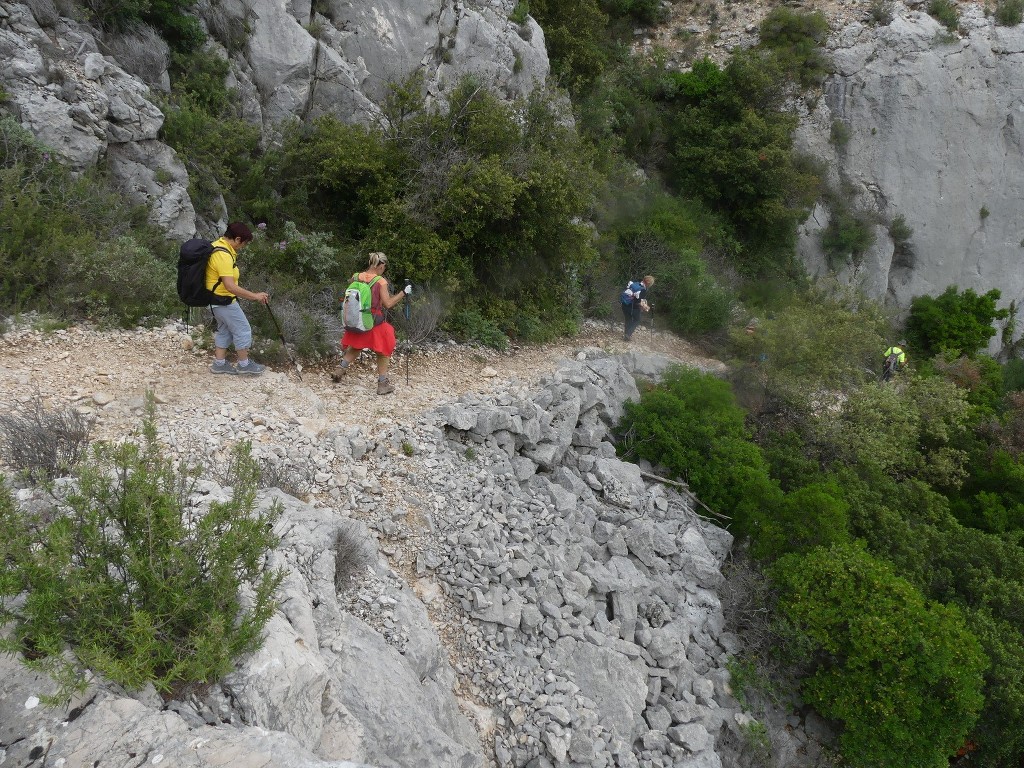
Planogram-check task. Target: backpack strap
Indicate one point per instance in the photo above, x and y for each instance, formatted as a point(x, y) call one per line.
point(234, 260)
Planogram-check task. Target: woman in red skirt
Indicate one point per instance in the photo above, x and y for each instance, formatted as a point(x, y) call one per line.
point(381, 338)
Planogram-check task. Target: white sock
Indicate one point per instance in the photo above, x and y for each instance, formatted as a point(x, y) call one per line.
point(243, 363)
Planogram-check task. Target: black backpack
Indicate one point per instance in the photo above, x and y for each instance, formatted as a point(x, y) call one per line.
point(192, 259)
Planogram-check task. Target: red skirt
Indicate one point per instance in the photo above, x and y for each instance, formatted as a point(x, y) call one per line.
point(380, 340)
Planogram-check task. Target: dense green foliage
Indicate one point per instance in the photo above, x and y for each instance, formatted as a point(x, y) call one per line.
point(953, 322)
point(168, 16)
point(902, 674)
point(140, 586)
point(70, 244)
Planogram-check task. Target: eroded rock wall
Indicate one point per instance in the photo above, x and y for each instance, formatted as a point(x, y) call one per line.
point(936, 127)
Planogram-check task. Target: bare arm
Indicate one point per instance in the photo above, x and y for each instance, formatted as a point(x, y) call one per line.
point(386, 298)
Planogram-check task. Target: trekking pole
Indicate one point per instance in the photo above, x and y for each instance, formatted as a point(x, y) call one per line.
point(298, 368)
point(407, 311)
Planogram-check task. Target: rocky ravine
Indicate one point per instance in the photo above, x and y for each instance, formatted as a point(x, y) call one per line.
point(530, 599)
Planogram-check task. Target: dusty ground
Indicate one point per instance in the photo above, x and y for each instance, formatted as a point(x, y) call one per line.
point(107, 373)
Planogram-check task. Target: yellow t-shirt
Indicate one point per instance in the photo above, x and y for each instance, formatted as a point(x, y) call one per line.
point(221, 265)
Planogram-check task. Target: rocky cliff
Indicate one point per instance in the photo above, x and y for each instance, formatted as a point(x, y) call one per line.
point(530, 600)
point(929, 132)
point(91, 96)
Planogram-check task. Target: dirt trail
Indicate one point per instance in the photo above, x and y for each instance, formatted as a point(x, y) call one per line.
point(107, 373)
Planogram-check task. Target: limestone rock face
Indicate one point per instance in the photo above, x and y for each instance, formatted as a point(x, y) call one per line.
point(301, 62)
point(86, 108)
point(933, 133)
point(287, 60)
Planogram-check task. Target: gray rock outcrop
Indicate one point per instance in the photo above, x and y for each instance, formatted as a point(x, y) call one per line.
point(932, 120)
point(87, 94)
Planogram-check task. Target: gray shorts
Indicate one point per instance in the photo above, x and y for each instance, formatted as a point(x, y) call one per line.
point(232, 327)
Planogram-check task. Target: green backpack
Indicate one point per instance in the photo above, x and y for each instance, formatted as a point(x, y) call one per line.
point(356, 314)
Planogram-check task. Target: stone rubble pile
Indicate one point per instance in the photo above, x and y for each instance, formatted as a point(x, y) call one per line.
point(596, 632)
point(529, 599)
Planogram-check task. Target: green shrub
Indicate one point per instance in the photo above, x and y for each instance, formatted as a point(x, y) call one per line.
point(642, 11)
point(881, 12)
point(469, 324)
point(121, 283)
point(58, 231)
point(180, 29)
point(140, 586)
point(797, 39)
point(900, 232)
point(848, 234)
point(1009, 13)
point(812, 516)
point(839, 134)
point(520, 12)
point(903, 675)
point(954, 322)
point(691, 426)
point(945, 12)
point(1013, 375)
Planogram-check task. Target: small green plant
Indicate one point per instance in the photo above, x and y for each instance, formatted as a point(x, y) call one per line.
point(407, 448)
point(881, 12)
point(839, 135)
point(316, 28)
point(517, 63)
point(163, 176)
point(945, 12)
point(983, 213)
point(470, 453)
point(520, 12)
point(1009, 13)
point(755, 734)
point(900, 232)
point(4, 96)
point(140, 585)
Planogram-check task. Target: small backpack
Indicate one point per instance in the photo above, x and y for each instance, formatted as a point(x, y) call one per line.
point(193, 257)
point(357, 305)
point(890, 364)
point(632, 289)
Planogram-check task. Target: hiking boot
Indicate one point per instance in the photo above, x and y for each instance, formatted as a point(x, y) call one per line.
point(222, 368)
point(385, 387)
point(252, 369)
point(338, 374)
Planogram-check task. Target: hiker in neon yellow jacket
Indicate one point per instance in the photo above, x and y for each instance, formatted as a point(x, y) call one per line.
point(894, 359)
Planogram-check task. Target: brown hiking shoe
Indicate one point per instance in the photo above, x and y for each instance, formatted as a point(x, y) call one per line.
point(338, 374)
point(385, 387)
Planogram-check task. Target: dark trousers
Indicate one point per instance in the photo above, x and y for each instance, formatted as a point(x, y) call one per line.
point(631, 314)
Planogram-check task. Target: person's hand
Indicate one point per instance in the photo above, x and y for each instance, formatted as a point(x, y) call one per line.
point(408, 289)
point(262, 297)
point(644, 306)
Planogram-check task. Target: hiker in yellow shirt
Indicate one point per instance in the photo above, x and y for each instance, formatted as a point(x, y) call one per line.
point(232, 325)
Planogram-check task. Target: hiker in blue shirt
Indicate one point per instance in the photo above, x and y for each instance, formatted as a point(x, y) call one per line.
point(634, 301)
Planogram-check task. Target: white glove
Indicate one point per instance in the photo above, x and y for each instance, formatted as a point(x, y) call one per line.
point(407, 290)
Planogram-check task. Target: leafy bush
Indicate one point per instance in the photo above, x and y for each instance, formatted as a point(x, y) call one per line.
point(520, 12)
point(58, 229)
point(691, 426)
point(469, 324)
point(945, 12)
point(642, 11)
point(42, 443)
point(180, 29)
point(954, 322)
point(881, 12)
point(797, 39)
point(863, 630)
point(574, 31)
point(1009, 13)
point(140, 585)
point(849, 233)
